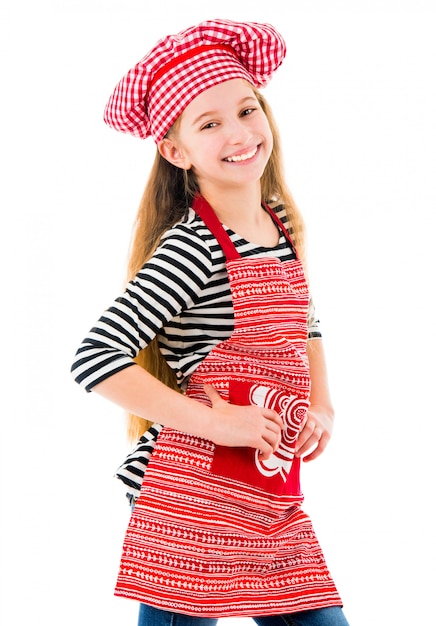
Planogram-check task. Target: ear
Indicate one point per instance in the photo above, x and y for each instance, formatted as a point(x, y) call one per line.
point(172, 153)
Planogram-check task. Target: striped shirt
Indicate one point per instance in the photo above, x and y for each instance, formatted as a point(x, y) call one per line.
point(182, 296)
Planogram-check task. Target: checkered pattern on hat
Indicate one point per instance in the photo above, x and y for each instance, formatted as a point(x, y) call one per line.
point(151, 96)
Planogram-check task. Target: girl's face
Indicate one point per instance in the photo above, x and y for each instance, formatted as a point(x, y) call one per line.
point(224, 136)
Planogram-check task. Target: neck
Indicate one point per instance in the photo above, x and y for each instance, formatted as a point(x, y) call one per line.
point(236, 205)
point(242, 212)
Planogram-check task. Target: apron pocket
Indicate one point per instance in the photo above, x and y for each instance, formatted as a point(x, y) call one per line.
point(280, 473)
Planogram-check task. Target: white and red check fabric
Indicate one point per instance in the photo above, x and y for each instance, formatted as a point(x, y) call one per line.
point(151, 96)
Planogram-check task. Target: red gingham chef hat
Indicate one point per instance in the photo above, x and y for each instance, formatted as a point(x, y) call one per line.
point(152, 95)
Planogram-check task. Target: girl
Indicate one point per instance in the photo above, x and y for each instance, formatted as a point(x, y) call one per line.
point(217, 308)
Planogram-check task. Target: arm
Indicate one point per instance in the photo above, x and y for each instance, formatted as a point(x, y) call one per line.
point(167, 284)
point(225, 424)
point(318, 426)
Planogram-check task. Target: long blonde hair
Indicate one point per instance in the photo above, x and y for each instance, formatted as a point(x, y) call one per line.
point(167, 197)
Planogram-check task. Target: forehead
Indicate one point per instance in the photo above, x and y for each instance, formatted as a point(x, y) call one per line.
point(221, 96)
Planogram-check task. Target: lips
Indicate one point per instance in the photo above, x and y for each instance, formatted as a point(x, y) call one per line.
point(238, 158)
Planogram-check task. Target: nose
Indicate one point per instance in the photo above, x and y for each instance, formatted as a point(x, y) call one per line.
point(237, 132)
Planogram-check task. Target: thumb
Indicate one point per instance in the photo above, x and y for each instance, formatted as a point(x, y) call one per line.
point(212, 393)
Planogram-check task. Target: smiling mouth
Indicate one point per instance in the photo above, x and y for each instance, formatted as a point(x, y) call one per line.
point(241, 157)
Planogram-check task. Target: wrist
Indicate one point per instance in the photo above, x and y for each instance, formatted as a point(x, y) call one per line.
point(325, 409)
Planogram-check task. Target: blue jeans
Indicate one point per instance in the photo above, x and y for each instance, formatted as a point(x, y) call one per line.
point(332, 616)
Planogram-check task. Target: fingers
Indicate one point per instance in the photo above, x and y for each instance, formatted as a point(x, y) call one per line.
point(272, 435)
point(313, 438)
point(251, 425)
point(274, 419)
point(261, 428)
point(212, 394)
point(309, 435)
point(271, 417)
point(316, 452)
point(269, 444)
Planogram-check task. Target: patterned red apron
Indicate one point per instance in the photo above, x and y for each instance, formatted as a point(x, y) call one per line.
point(216, 530)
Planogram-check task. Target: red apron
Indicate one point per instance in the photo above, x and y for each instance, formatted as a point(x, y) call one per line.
point(216, 530)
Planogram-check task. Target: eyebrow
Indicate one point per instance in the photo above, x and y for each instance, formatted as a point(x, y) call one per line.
point(213, 113)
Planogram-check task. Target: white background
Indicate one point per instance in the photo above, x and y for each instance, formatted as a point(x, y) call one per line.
point(355, 101)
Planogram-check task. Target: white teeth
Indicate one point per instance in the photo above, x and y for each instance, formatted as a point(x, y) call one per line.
point(241, 157)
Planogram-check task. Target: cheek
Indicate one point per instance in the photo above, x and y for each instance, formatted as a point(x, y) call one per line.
point(268, 132)
point(203, 153)
point(269, 141)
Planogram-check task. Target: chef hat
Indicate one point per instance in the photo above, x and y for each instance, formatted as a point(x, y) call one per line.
point(152, 95)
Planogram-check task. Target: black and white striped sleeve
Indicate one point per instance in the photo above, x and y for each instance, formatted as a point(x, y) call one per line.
point(313, 323)
point(169, 282)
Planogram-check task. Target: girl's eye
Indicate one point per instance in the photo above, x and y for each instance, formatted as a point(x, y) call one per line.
point(247, 111)
point(208, 125)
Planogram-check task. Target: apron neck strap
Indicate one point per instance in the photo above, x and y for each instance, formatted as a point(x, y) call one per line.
point(209, 217)
point(281, 226)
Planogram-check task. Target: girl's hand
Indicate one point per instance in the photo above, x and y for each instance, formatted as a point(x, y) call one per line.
point(315, 433)
point(251, 426)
